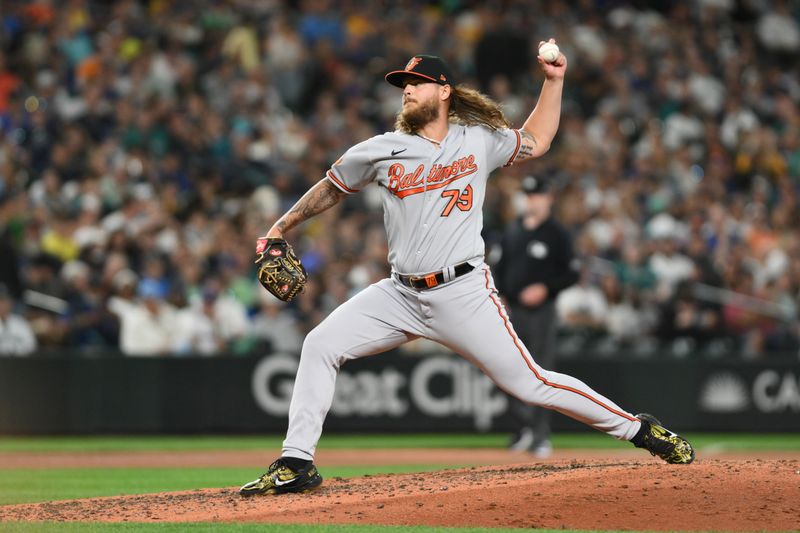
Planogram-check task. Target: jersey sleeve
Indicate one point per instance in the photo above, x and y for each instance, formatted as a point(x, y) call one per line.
point(502, 146)
point(354, 170)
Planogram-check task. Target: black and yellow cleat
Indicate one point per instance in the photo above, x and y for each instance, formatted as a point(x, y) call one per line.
point(663, 443)
point(280, 479)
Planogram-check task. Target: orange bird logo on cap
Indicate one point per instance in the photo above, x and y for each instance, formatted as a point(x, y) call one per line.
point(413, 63)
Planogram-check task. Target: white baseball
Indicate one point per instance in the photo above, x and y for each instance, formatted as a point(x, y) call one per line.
point(549, 52)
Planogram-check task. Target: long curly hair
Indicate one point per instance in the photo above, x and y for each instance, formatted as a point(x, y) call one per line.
point(471, 108)
point(467, 106)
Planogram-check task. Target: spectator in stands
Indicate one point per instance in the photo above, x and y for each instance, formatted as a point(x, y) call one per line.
point(195, 331)
point(118, 147)
point(90, 326)
point(44, 298)
point(583, 306)
point(633, 271)
point(16, 335)
point(228, 314)
point(625, 320)
point(147, 324)
point(276, 327)
point(688, 324)
point(670, 266)
point(10, 208)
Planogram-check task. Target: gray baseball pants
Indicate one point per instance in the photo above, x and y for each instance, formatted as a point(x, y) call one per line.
point(466, 316)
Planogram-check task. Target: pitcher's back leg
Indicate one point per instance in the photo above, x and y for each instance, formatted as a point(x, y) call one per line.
point(377, 319)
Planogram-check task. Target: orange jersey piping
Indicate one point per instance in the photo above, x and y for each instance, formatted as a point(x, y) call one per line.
point(339, 184)
point(533, 369)
point(516, 150)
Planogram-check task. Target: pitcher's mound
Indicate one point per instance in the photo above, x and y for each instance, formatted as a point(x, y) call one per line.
point(745, 495)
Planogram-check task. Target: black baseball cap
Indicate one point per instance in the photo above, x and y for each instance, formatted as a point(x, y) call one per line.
point(535, 185)
point(430, 68)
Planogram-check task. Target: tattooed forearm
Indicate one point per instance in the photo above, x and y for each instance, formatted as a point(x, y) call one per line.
point(527, 147)
point(320, 197)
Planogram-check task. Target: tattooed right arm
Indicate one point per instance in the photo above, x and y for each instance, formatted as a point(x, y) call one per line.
point(319, 198)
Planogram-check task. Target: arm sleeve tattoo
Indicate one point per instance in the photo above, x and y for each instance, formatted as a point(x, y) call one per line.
point(319, 198)
point(527, 146)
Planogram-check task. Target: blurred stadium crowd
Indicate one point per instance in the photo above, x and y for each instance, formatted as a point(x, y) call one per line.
point(144, 145)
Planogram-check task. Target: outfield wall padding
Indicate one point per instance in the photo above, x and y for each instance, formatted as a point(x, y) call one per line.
point(391, 392)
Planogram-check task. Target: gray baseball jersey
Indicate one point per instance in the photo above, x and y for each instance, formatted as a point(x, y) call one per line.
point(432, 197)
point(433, 200)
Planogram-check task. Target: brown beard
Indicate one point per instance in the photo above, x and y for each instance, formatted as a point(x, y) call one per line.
point(414, 119)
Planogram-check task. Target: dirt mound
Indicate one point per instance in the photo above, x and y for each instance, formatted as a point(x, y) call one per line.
point(744, 495)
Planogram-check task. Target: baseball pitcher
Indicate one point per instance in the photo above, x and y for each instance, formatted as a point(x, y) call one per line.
point(432, 173)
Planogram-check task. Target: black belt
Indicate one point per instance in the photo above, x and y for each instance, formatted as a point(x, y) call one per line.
point(428, 281)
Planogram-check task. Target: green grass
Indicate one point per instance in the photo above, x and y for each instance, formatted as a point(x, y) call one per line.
point(242, 442)
point(19, 485)
point(731, 441)
point(25, 485)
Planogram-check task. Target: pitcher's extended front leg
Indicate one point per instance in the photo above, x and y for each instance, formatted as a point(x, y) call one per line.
point(377, 319)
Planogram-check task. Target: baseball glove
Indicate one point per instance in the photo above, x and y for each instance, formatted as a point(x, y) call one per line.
point(279, 269)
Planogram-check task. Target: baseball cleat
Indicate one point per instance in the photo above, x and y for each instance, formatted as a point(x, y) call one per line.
point(280, 479)
point(663, 443)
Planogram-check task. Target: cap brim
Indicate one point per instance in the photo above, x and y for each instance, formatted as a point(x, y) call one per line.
point(396, 77)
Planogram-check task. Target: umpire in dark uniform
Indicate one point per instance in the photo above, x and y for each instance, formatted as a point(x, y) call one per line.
point(536, 263)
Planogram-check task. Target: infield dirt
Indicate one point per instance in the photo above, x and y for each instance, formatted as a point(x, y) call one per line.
point(720, 494)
